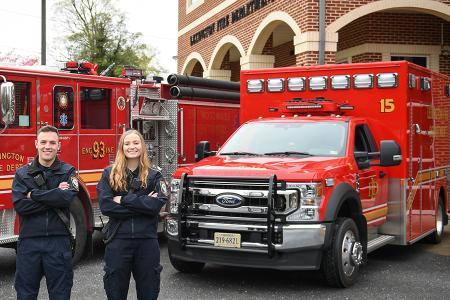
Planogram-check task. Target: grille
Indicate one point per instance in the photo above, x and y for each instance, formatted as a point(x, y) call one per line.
point(197, 199)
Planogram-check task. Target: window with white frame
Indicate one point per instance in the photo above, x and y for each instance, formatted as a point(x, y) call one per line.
point(193, 4)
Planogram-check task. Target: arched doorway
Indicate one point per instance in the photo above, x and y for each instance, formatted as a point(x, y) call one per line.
point(194, 65)
point(273, 42)
point(226, 59)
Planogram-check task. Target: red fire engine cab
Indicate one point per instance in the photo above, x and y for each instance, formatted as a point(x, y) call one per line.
point(330, 163)
point(91, 112)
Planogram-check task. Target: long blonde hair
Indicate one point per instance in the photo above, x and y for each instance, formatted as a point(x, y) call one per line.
point(119, 171)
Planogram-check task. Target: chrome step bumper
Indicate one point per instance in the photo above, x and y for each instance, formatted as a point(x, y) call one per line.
point(379, 241)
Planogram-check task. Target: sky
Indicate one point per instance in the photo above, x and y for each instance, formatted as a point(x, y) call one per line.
point(21, 28)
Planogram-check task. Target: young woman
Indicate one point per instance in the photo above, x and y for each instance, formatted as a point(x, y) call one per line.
point(131, 194)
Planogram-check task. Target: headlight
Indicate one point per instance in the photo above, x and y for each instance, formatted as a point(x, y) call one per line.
point(286, 201)
point(173, 199)
point(310, 199)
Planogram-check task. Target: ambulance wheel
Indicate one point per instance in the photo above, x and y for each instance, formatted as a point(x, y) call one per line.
point(78, 228)
point(186, 266)
point(436, 236)
point(340, 263)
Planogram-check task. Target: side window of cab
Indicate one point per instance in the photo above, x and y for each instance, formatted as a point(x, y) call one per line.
point(364, 145)
point(22, 104)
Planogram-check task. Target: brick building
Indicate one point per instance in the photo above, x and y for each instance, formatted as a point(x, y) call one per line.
point(218, 38)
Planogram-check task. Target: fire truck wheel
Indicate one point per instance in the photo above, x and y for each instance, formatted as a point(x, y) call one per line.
point(340, 263)
point(186, 266)
point(436, 236)
point(78, 227)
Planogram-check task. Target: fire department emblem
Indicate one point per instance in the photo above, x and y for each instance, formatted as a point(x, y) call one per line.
point(121, 103)
point(63, 101)
point(74, 183)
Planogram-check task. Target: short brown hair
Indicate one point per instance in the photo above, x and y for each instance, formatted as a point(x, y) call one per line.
point(48, 128)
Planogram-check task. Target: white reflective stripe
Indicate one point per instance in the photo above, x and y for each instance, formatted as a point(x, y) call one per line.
point(377, 220)
point(90, 171)
point(374, 207)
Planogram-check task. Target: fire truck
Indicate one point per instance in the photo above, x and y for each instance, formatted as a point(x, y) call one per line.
point(91, 112)
point(330, 163)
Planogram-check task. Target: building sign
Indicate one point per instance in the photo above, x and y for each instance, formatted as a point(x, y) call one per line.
point(233, 17)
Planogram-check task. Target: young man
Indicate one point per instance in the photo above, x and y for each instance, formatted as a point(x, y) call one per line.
point(42, 192)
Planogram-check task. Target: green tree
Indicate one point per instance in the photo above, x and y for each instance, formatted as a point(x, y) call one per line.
point(97, 33)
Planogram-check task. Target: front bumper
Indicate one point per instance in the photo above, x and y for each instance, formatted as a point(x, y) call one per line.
point(301, 247)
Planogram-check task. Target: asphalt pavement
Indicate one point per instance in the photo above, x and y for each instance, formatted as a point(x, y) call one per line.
point(420, 271)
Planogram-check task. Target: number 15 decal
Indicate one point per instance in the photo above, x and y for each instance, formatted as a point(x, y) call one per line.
point(387, 105)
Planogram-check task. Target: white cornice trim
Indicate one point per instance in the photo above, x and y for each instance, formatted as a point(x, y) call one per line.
point(206, 16)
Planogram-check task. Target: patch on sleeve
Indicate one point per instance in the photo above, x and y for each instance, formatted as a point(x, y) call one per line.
point(163, 188)
point(73, 181)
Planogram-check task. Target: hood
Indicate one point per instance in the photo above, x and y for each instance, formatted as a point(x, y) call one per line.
point(286, 167)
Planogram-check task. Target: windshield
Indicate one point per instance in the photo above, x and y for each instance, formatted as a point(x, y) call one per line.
point(309, 139)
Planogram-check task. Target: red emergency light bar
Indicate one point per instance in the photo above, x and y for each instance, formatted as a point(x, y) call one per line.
point(320, 106)
point(83, 67)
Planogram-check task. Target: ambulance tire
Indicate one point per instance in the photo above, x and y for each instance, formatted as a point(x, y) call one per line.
point(186, 266)
point(78, 221)
point(436, 236)
point(337, 269)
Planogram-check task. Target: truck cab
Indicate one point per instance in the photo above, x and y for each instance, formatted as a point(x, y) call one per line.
point(316, 177)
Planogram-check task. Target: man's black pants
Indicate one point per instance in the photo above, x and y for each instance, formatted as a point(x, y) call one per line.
point(44, 256)
point(137, 256)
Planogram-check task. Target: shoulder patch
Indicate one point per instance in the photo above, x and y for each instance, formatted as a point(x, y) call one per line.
point(163, 188)
point(73, 181)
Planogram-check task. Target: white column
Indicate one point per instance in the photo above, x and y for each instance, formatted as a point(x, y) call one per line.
point(309, 41)
point(254, 61)
point(217, 74)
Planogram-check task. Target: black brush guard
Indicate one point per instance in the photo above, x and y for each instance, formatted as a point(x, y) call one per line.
point(271, 214)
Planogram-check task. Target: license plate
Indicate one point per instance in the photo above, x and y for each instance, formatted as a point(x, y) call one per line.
point(227, 240)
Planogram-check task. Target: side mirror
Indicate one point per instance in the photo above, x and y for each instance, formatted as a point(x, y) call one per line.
point(202, 150)
point(362, 159)
point(390, 153)
point(7, 97)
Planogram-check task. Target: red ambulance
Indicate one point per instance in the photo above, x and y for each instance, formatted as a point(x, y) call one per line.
point(330, 163)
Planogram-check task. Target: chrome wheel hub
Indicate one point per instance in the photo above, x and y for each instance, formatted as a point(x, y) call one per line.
point(357, 253)
point(351, 253)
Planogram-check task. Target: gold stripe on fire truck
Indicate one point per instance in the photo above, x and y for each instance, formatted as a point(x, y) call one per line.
point(375, 214)
point(422, 177)
point(5, 184)
point(90, 177)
